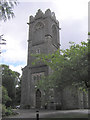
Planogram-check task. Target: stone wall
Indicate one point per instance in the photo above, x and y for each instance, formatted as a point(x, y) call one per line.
point(24, 88)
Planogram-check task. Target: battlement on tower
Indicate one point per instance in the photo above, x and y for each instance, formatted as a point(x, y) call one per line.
point(42, 15)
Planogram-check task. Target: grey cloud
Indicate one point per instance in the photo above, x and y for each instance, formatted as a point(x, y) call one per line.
point(73, 30)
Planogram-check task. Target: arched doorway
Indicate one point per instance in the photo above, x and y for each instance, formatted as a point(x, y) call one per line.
point(38, 98)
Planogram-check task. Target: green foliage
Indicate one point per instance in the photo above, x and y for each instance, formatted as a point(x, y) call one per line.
point(6, 9)
point(9, 81)
point(9, 90)
point(5, 99)
point(6, 111)
point(70, 66)
point(5, 96)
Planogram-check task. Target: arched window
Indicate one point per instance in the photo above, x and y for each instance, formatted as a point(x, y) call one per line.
point(38, 34)
point(54, 34)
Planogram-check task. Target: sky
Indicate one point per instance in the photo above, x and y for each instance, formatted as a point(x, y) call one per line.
point(73, 21)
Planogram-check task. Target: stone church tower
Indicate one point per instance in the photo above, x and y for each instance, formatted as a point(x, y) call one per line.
point(43, 38)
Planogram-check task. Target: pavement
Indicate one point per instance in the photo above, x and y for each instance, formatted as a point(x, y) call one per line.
point(31, 113)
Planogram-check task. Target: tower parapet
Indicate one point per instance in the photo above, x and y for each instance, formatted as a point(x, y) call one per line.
point(42, 15)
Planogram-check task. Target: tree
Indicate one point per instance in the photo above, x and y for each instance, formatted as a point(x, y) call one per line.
point(6, 9)
point(6, 12)
point(69, 66)
point(9, 81)
point(5, 97)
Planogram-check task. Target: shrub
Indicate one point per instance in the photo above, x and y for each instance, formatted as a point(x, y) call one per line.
point(6, 111)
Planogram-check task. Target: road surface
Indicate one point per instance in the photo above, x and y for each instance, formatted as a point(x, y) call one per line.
point(50, 114)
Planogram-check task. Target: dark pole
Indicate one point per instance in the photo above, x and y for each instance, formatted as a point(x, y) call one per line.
point(37, 115)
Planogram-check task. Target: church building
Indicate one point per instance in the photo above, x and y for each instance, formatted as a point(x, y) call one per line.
point(44, 39)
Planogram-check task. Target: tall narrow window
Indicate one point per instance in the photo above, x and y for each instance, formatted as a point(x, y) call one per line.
point(54, 34)
point(38, 51)
point(38, 34)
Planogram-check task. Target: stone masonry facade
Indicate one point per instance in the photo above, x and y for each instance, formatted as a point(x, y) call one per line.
point(44, 39)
